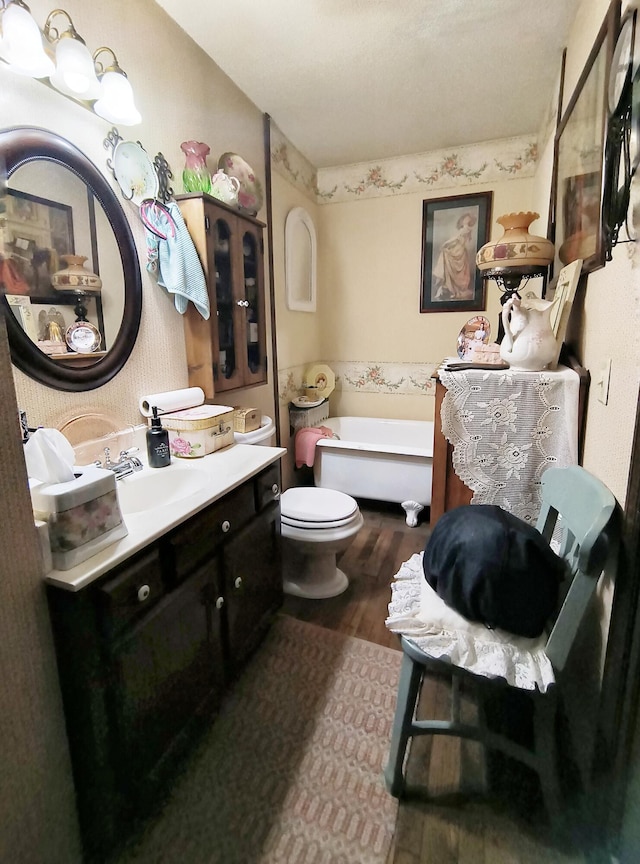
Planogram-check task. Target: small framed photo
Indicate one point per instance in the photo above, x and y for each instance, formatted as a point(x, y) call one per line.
point(453, 229)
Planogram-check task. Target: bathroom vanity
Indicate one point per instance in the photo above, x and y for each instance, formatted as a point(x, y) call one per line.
point(150, 635)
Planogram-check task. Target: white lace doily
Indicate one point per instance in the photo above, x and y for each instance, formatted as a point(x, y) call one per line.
point(507, 428)
point(416, 612)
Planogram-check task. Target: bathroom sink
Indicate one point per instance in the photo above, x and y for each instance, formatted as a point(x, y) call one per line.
point(157, 487)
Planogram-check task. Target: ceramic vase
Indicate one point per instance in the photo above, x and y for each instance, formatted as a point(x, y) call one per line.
point(76, 277)
point(196, 176)
point(529, 344)
point(517, 247)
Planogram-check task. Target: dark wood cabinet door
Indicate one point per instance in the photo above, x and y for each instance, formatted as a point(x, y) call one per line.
point(167, 667)
point(253, 583)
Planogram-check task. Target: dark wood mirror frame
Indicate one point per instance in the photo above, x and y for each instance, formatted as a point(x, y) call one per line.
point(19, 146)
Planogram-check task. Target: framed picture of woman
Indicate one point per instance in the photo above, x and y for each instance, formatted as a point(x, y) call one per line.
point(453, 229)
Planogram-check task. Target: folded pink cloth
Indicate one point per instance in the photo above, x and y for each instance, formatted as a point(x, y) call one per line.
point(305, 443)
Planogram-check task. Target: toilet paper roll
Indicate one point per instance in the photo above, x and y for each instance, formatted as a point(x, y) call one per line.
point(172, 400)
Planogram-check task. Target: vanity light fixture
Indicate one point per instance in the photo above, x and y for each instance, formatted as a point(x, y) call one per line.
point(21, 41)
point(103, 89)
point(116, 103)
point(75, 73)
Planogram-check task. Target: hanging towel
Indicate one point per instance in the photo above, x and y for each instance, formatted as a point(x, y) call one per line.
point(172, 256)
point(305, 443)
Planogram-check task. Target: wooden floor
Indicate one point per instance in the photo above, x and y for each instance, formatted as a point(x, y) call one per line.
point(453, 818)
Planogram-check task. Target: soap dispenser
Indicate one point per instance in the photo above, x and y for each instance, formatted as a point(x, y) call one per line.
point(157, 443)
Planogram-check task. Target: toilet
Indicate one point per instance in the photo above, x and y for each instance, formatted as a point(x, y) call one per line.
point(316, 525)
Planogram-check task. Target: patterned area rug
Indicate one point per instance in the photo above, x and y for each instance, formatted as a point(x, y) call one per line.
point(291, 771)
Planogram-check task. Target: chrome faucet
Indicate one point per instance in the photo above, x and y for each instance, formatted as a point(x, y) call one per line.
point(126, 465)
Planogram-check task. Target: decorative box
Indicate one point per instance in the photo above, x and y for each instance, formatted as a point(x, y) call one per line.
point(198, 431)
point(83, 515)
point(246, 419)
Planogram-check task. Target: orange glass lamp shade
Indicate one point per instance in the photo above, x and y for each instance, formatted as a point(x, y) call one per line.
point(517, 248)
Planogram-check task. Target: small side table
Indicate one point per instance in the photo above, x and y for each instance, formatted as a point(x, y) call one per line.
point(302, 417)
point(496, 433)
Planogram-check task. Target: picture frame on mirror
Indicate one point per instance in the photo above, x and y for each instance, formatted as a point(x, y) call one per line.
point(453, 230)
point(37, 233)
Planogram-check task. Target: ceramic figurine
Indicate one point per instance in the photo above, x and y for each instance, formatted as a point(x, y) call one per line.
point(225, 188)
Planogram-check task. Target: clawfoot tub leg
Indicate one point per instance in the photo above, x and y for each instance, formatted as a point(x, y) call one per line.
point(412, 508)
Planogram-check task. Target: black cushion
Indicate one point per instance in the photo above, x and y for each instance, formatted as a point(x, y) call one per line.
point(494, 568)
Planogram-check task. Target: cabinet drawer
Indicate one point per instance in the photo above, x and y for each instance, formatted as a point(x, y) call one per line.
point(267, 486)
point(131, 591)
point(196, 541)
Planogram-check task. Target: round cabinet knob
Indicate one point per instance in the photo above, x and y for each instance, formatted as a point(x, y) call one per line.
point(143, 593)
point(219, 602)
point(238, 582)
point(243, 303)
point(276, 490)
point(226, 526)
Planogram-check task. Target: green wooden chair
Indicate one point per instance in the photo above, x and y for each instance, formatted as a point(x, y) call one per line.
point(585, 506)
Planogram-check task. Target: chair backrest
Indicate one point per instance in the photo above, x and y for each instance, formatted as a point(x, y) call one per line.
point(585, 507)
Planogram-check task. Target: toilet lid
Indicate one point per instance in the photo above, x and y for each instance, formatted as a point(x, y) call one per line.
point(309, 504)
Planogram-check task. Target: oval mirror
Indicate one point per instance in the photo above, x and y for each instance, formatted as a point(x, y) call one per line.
point(300, 261)
point(69, 270)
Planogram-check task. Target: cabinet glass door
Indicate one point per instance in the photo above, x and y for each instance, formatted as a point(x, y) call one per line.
point(254, 308)
point(227, 361)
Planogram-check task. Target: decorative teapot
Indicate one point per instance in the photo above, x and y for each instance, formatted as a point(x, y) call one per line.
point(225, 188)
point(528, 344)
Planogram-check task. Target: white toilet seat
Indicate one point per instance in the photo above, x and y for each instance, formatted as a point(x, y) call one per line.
point(308, 507)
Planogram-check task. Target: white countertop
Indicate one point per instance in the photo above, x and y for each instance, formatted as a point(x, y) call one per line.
point(222, 471)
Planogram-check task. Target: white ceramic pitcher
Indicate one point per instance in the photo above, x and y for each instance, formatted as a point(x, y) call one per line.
point(529, 344)
point(225, 188)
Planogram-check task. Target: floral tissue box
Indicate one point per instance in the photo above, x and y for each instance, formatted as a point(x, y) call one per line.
point(83, 515)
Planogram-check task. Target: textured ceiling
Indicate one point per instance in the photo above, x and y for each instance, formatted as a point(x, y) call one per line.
point(359, 80)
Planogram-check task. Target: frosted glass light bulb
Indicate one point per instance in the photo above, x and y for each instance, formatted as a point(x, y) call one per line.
point(116, 102)
point(21, 43)
point(75, 73)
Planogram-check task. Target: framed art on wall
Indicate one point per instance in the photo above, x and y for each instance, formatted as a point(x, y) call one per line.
point(453, 229)
point(577, 193)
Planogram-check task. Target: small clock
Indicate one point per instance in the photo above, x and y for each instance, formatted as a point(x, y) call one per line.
point(620, 71)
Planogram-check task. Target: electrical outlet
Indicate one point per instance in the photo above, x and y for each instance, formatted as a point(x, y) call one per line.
point(602, 384)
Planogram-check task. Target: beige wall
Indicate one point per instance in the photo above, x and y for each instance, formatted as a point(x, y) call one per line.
point(298, 333)
point(368, 311)
point(181, 94)
point(603, 325)
point(370, 266)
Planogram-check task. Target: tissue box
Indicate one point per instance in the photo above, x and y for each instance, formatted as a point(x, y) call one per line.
point(83, 515)
point(246, 419)
point(199, 431)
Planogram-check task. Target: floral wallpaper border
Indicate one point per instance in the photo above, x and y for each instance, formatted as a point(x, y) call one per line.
point(290, 163)
point(454, 167)
point(401, 379)
point(439, 169)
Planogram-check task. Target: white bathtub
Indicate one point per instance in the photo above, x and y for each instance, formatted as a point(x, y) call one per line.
point(385, 460)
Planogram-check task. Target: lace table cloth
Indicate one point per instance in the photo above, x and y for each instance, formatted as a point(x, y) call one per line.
point(506, 428)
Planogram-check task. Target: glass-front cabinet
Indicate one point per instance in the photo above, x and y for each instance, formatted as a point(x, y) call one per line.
point(227, 351)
